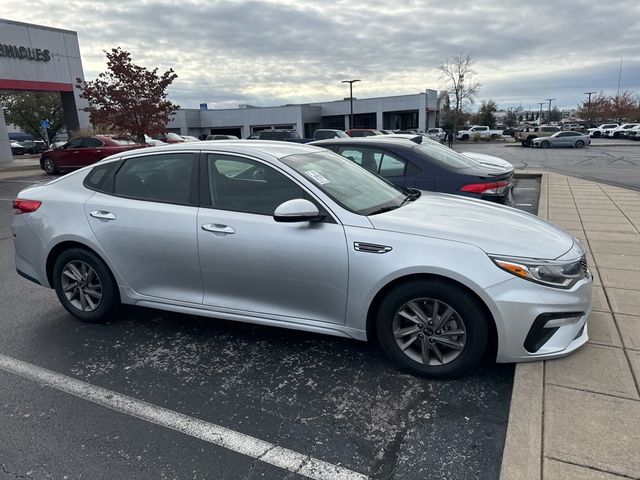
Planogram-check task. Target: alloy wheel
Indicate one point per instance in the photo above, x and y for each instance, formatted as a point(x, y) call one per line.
point(81, 286)
point(429, 331)
point(49, 166)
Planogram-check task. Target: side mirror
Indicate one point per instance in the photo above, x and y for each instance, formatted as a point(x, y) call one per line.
point(296, 210)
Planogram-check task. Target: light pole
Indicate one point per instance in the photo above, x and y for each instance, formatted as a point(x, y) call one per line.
point(350, 82)
point(589, 108)
point(540, 114)
point(549, 100)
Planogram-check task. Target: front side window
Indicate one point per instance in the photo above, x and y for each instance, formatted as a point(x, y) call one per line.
point(243, 185)
point(75, 143)
point(91, 143)
point(163, 178)
point(350, 186)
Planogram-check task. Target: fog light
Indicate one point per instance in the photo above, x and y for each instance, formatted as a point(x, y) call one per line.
point(562, 322)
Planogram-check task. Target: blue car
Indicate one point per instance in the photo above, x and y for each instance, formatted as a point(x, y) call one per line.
point(426, 166)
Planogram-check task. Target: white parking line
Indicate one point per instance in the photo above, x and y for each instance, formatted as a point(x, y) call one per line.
point(230, 439)
point(524, 204)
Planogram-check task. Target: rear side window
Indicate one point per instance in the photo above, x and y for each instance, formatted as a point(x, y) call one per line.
point(91, 143)
point(165, 178)
point(97, 176)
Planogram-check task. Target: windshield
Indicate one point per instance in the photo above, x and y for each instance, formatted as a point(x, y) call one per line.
point(348, 184)
point(445, 157)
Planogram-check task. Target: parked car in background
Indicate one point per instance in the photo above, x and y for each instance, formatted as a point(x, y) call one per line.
point(83, 151)
point(481, 131)
point(563, 139)
point(218, 136)
point(529, 134)
point(34, 146)
point(16, 148)
point(169, 137)
point(387, 132)
point(152, 142)
point(363, 132)
point(189, 138)
point(621, 131)
point(283, 135)
point(600, 130)
point(426, 167)
point(508, 131)
point(56, 144)
point(437, 134)
point(325, 133)
point(634, 133)
point(317, 244)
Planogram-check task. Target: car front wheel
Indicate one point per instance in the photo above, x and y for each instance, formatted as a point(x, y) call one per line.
point(433, 329)
point(545, 144)
point(579, 144)
point(85, 286)
point(49, 166)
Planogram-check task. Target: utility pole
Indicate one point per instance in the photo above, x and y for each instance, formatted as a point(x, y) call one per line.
point(549, 100)
point(540, 114)
point(350, 82)
point(589, 108)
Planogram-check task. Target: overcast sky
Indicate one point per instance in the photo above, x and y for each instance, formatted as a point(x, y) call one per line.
point(275, 52)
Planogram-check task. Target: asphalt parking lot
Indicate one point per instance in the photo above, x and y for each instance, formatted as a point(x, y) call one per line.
point(324, 399)
point(608, 161)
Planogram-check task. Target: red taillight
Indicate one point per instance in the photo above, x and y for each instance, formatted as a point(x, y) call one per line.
point(25, 206)
point(489, 187)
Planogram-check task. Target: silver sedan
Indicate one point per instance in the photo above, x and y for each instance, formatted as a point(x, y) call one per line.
point(563, 139)
point(299, 237)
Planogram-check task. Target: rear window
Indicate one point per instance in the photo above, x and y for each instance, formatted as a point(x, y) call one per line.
point(445, 157)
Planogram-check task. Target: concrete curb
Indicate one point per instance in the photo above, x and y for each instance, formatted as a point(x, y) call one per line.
point(20, 168)
point(522, 455)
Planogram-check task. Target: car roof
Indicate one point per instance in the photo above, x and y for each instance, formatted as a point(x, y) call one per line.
point(270, 147)
point(377, 140)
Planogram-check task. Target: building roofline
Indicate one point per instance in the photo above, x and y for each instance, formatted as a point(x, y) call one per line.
point(34, 25)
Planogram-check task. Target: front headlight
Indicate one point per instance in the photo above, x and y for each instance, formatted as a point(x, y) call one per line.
point(547, 272)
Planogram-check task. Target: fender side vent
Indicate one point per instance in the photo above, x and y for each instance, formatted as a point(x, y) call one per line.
point(371, 247)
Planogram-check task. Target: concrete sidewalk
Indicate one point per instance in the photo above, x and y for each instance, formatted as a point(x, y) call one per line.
point(579, 417)
point(21, 163)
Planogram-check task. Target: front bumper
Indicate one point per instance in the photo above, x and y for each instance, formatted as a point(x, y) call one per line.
point(518, 303)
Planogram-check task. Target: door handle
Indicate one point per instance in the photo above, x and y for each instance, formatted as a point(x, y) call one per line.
point(218, 228)
point(102, 215)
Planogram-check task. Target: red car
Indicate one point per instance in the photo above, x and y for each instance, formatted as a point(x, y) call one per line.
point(83, 151)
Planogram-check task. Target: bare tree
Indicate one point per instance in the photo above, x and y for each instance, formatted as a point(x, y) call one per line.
point(457, 74)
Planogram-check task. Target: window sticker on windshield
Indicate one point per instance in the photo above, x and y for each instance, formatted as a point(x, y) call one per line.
point(316, 176)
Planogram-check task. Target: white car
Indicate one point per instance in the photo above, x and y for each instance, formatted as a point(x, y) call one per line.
point(622, 130)
point(152, 142)
point(634, 133)
point(437, 134)
point(602, 130)
point(189, 138)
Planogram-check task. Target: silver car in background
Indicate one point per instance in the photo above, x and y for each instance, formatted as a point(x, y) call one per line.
point(563, 139)
point(297, 236)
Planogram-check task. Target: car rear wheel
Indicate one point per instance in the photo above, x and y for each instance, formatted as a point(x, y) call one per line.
point(545, 144)
point(49, 166)
point(85, 286)
point(431, 328)
point(580, 144)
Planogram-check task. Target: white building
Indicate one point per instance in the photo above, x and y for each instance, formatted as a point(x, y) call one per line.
point(41, 59)
point(417, 111)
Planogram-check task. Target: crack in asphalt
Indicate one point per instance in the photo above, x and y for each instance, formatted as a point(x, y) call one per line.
point(3, 467)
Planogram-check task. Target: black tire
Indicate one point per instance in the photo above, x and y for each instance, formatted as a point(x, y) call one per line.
point(473, 317)
point(49, 166)
point(529, 141)
point(545, 144)
point(110, 298)
point(596, 134)
point(580, 144)
point(465, 137)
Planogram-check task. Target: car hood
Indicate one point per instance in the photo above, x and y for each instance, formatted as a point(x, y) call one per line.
point(493, 228)
point(489, 160)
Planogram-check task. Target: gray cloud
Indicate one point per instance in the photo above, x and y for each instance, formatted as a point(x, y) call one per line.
point(274, 52)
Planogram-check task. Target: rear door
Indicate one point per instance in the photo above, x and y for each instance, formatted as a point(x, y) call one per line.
point(145, 220)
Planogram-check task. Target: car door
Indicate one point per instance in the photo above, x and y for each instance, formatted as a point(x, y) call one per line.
point(145, 221)
point(90, 153)
point(66, 156)
point(255, 265)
